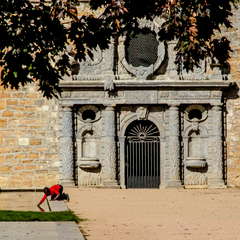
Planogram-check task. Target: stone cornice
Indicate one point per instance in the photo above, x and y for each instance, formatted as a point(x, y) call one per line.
point(145, 84)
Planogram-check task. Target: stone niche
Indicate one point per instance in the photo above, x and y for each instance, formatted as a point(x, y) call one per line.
point(195, 146)
point(89, 146)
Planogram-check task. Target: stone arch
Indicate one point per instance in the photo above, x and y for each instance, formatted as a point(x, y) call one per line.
point(203, 129)
point(129, 119)
point(87, 127)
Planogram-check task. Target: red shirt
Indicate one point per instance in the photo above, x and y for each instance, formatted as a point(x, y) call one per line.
point(54, 190)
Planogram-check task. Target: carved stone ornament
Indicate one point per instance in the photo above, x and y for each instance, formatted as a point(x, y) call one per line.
point(142, 113)
point(195, 121)
point(90, 65)
point(109, 85)
point(91, 108)
point(142, 72)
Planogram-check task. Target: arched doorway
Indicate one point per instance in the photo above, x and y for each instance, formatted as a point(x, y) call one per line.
point(142, 155)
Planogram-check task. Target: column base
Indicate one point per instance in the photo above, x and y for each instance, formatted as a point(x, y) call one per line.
point(217, 184)
point(175, 184)
point(68, 183)
point(110, 184)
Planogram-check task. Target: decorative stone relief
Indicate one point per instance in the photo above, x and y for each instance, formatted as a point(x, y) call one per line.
point(195, 178)
point(95, 116)
point(195, 120)
point(88, 178)
point(217, 171)
point(67, 144)
point(217, 120)
point(109, 85)
point(217, 158)
point(174, 121)
point(174, 146)
point(163, 94)
point(144, 97)
point(88, 95)
point(142, 72)
point(67, 159)
point(142, 113)
point(174, 157)
point(194, 94)
point(110, 159)
point(109, 144)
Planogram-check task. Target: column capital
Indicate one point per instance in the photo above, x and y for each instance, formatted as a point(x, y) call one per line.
point(109, 107)
point(67, 108)
point(217, 107)
point(174, 107)
point(216, 104)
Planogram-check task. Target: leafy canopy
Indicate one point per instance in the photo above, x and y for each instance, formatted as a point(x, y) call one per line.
point(34, 37)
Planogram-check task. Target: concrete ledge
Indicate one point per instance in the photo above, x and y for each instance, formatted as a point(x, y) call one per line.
point(21, 189)
point(57, 206)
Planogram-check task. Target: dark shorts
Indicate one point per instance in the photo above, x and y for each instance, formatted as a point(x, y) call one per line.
point(61, 189)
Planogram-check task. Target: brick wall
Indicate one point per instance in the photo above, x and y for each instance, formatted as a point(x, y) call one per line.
point(28, 139)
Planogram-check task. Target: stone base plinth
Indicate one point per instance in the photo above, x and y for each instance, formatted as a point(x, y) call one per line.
point(68, 184)
point(110, 184)
point(174, 184)
point(196, 186)
point(217, 184)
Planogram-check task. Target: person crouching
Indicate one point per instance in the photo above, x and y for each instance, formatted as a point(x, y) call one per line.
point(56, 193)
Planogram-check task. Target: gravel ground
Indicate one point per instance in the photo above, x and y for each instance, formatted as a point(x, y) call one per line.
point(157, 214)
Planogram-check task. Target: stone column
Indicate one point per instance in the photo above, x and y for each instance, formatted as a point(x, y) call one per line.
point(110, 148)
point(216, 181)
point(173, 177)
point(67, 147)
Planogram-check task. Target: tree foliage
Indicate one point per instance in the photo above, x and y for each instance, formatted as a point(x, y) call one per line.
point(34, 37)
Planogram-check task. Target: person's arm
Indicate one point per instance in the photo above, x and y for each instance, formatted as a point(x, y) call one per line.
point(56, 197)
point(43, 199)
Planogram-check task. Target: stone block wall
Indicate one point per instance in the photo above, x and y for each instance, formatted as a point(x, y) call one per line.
point(233, 105)
point(28, 139)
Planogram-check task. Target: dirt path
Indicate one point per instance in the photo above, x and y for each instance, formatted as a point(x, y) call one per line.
point(157, 214)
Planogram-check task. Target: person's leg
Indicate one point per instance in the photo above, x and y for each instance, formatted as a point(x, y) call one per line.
point(53, 196)
point(62, 196)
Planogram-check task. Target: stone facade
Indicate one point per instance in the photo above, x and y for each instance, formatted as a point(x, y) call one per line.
point(82, 138)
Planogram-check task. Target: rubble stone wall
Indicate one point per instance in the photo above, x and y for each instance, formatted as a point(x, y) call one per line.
point(233, 105)
point(28, 139)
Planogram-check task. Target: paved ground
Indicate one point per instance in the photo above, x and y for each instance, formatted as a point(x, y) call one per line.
point(27, 201)
point(157, 214)
point(39, 231)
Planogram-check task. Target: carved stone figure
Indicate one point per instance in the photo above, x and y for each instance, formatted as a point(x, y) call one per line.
point(142, 113)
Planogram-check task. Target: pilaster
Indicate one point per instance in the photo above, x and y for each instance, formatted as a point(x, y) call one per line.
point(67, 148)
point(216, 180)
point(173, 178)
point(110, 147)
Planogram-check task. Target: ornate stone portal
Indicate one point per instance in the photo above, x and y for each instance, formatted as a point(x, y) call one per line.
point(109, 94)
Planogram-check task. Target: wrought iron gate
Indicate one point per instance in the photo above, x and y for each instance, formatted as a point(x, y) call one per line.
point(142, 163)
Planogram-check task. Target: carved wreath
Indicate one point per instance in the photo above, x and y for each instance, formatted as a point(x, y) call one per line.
point(195, 121)
point(142, 72)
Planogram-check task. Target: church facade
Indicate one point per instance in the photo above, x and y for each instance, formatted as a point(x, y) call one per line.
point(128, 118)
